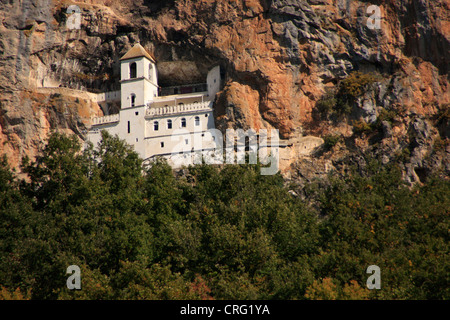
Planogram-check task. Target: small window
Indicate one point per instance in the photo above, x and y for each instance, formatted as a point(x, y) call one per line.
point(129, 127)
point(206, 115)
point(136, 113)
point(197, 121)
point(169, 124)
point(137, 139)
point(183, 122)
point(156, 125)
point(133, 100)
point(186, 141)
point(162, 144)
point(133, 70)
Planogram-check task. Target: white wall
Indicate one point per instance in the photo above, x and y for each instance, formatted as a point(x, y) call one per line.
point(108, 96)
point(144, 89)
point(142, 69)
point(150, 91)
point(179, 98)
point(132, 87)
point(94, 134)
point(136, 136)
point(213, 81)
point(205, 123)
point(153, 76)
point(174, 139)
point(137, 129)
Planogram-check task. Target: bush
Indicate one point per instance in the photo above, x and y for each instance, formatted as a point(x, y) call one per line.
point(340, 103)
point(360, 127)
point(325, 106)
point(352, 87)
point(330, 141)
point(387, 115)
point(356, 84)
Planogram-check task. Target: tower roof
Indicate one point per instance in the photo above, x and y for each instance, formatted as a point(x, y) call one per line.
point(136, 52)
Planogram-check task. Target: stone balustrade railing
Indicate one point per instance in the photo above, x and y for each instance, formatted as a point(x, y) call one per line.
point(105, 119)
point(181, 108)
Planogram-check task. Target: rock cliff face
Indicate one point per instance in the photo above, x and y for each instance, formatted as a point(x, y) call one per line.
point(279, 59)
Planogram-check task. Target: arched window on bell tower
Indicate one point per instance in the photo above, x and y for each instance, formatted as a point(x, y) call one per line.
point(135, 77)
point(150, 72)
point(133, 70)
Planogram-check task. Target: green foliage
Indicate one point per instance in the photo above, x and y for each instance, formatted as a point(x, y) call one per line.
point(14, 295)
point(327, 289)
point(403, 155)
point(325, 106)
point(378, 220)
point(340, 102)
point(387, 115)
point(360, 127)
point(213, 233)
point(330, 141)
point(355, 84)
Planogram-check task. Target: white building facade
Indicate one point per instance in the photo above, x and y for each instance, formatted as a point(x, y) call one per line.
point(177, 123)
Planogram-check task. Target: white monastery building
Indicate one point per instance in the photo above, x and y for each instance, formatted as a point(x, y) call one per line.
point(170, 122)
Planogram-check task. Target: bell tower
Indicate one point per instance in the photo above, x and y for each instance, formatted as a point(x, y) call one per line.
point(138, 78)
